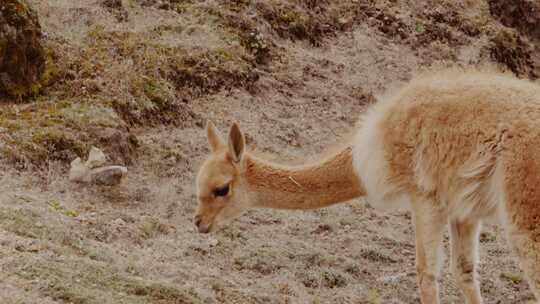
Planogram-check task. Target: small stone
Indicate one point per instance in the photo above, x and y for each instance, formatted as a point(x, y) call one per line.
point(34, 247)
point(213, 242)
point(119, 222)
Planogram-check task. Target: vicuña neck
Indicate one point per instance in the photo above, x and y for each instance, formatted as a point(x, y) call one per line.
point(327, 182)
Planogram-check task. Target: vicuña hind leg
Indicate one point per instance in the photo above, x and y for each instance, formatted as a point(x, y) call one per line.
point(464, 239)
point(429, 223)
point(522, 213)
point(528, 251)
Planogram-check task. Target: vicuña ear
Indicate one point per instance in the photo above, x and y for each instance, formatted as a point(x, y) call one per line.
point(214, 137)
point(237, 143)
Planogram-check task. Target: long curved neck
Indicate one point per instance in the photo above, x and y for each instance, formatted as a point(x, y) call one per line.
point(317, 185)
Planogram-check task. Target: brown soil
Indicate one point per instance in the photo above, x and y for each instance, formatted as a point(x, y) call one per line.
point(140, 78)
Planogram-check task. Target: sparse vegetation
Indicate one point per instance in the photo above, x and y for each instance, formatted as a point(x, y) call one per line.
point(82, 281)
point(263, 261)
point(510, 49)
point(514, 278)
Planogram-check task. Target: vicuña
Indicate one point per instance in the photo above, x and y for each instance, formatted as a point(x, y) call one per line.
point(454, 147)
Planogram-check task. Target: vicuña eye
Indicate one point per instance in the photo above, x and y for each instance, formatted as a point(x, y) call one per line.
point(221, 191)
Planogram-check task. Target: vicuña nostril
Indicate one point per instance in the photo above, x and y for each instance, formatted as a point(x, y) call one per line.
point(197, 220)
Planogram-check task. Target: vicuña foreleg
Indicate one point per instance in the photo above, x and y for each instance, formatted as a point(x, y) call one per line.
point(429, 228)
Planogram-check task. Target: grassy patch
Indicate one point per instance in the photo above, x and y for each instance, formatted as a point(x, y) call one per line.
point(514, 278)
point(151, 227)
point(23, 222)
point(55, 205)
point(162, 77)
point(47, 130)
point(82, 281)
point(47, 228)
point(263, 261)
point(301, 20)
point(319, 278)
point(80, 275)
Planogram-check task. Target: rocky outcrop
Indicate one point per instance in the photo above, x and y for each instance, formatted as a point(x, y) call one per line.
point(22, 57)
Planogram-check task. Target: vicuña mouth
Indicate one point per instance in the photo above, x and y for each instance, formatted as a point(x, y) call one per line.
point(204, 228)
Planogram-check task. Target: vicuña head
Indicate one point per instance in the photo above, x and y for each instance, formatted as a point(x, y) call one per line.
point(233, 180)
point(221, 186)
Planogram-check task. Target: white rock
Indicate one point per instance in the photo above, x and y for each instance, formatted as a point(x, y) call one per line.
point(96, 158)
point(78, 171)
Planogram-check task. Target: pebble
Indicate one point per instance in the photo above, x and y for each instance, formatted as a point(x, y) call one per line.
point(213, 242)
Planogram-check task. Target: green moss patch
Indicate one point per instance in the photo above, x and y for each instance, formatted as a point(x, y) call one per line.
point(49, 131)
point(22, 56)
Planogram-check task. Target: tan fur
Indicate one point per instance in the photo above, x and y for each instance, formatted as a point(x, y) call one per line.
point(453, 147)
point(312, 186)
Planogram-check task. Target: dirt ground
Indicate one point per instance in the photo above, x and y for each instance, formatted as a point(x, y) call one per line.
point(139, 78)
